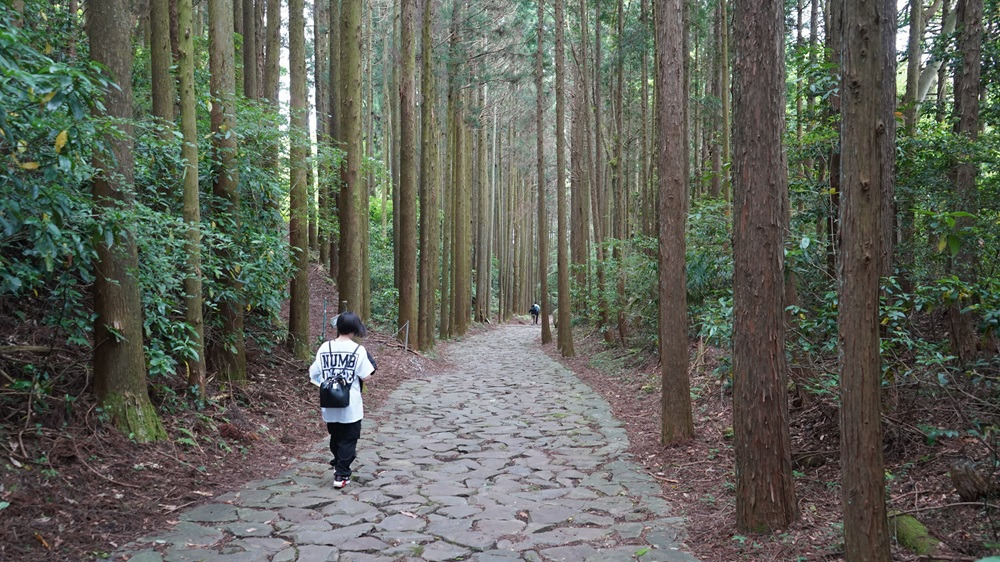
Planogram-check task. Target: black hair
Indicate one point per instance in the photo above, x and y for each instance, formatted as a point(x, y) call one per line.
point(348, 323)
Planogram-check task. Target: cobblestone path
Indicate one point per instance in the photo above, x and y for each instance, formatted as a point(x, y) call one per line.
point(508, 456)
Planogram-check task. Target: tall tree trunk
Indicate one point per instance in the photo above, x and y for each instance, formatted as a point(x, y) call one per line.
point(160, 62)
point(428, 183)
point(407, 209)
point(565, 325)
point(229, 350)
point(193, 300)
point(619, 184)
point(260, 40)
point(969, 14)
point(119, 365)
point(727, 156)
point(298, 207)
point(321, 45)
point(462, 246)
point(866, 534)
point(644, 179)
point(162, 88)
point(237, 8)
point(394, 144)
point(249, 50)
point(599, 197)
point(482, 221)
point(452, 155)
point(336, 135)
point(910, 106)
point(543, 222)
point(765, 495)
point(887, 140)
point(588, 193)
point(352, 209)
point(271, 84)
point(675, 411)
point(579, 227)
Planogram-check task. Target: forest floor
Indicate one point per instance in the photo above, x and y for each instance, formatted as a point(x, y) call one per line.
point(698, 476)
point(73, 489)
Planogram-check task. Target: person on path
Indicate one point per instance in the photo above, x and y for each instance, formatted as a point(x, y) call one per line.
point(535, 311)
point(344, 358)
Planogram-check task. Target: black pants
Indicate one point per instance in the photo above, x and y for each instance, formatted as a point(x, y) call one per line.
point(343, 445)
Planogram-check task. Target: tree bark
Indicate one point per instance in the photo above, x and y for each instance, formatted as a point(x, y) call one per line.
point(298, 207)
point(765, 495)
point(565, 326)
point(429, 221)
point(543, 231)
point(249, 50)
point(910, 106)
point(229, 349)
point(866, 534)
point(193, 300)
point(887, 140)
point(160, 61)
point(119, 364)
point(353, 204)
point(321, 46)
point(336, 135)
point(407, 172)
point(969, 14)
point(676, 419)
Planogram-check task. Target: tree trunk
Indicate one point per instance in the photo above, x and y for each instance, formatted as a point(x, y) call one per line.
point(599, 197)
point(887, 140)
point(724, 73)
point(910, 106)
point(866, 534)
point(407, 209)
point(676, 418)
point(193, 300)
point(394, 144)
point(429, 221)
point(298, 207)
point(321, 46)
point(969, 14)
point(260, 38)
point(229, 350)
point(353, 203)
point(565, 325)
point(482, 220)
point(619, 184)
point(271, 84)
point(543, 219)
point(119, 365)
point(336, 135)
point(765, 495)
point(160, 62)
point(462, 258)
point(579, 227)
point(249, 50)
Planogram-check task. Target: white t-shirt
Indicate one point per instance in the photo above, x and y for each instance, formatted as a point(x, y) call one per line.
point(349, 360)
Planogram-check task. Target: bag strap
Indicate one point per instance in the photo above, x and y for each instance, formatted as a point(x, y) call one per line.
point(361, 383)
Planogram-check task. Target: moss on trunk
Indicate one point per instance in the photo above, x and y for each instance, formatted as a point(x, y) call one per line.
point(913, 535)
point(135, 417)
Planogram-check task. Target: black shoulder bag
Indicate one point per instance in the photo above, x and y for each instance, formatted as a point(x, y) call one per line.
point(335, 391)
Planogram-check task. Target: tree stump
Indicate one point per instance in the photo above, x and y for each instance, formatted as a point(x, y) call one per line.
point(972, 483)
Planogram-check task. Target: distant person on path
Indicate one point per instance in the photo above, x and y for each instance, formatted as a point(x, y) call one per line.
point(343, 357)
point(535, 311)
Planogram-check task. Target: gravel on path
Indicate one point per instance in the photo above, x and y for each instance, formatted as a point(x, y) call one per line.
point(506, 455)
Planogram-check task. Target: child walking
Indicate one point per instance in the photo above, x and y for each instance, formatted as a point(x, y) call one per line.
point(342, 357)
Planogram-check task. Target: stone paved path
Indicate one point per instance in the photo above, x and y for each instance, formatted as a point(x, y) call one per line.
point(508, 457)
